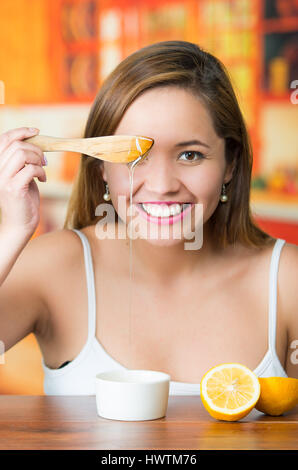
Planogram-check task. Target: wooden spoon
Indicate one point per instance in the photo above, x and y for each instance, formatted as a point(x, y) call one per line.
point(111, 148)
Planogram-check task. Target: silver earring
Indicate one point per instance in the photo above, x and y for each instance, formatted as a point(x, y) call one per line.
point(106, 195)
point(223, 196)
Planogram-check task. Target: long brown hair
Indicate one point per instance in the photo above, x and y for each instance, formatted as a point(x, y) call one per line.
point(186, 65)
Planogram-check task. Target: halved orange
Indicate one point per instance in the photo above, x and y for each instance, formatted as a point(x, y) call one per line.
point(229, 391)
point(278, 395)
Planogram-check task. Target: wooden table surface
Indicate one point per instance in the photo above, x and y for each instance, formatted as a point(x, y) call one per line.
point(71, 422)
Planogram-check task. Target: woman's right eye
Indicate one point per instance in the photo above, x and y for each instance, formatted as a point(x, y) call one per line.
point(192, 153)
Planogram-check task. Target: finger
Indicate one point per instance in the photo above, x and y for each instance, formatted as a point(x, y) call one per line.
point(26, 175)
point(15, 134)
point(18, 145)
point(18, 161)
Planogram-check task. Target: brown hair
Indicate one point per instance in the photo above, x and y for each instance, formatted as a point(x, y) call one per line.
point(186, 65)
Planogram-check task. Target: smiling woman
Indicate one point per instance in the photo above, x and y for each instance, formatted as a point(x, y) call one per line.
point(192, 309)
point(131, 95)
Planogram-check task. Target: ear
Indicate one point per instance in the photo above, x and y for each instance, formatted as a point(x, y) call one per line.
point(103, 171)
point(229, 171)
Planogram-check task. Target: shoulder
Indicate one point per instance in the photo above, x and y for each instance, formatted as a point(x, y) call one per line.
point(288, 303)
point(60, 249)
point(46, 251)
point(290, 254)
point(288, 270)
point(257, 260)
point(56, 246)
point(50, 258)
point(290, 249)
point(288, 280)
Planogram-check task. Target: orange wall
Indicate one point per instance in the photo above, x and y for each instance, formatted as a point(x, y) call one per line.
point(24, 50)
point(21, 373)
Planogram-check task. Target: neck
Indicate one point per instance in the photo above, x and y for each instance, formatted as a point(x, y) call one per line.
point(167, 263)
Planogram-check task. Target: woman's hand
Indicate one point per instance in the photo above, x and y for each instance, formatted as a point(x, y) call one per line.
point(20, 162)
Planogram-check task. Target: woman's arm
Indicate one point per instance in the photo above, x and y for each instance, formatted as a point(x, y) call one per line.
point(22, 309)
point(11, 246)
point(26, 294)
point(20, 303)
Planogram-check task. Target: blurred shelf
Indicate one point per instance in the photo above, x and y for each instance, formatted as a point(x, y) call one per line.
point(282, 98)
point(267, 195)
point(275, 206)
point(280, 25)
point(55, 189)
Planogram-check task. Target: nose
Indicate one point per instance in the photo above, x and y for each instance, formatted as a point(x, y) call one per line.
point(158, 174)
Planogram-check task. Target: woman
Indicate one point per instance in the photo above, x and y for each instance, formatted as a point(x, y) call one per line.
point(191, 309)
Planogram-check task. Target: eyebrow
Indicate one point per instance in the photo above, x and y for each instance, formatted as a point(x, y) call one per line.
point(191, 142)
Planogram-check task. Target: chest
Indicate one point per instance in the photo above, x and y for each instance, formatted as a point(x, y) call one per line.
point(185, 329)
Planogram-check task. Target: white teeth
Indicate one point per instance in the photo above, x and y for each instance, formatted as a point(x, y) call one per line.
point(162, 210)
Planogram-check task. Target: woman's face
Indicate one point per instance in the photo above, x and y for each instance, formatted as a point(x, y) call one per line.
point(185, 165)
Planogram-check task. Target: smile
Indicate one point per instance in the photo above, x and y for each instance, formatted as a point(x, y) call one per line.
point(163, 212)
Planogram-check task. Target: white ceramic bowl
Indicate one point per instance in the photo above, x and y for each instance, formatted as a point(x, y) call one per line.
point(132, 395)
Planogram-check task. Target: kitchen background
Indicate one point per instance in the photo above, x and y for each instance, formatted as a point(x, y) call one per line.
point(54, 55)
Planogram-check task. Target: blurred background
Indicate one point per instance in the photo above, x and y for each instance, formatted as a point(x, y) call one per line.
point(55, 54)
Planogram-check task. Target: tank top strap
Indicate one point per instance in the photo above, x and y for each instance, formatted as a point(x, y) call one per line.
point(273, 293)
point(90, 284)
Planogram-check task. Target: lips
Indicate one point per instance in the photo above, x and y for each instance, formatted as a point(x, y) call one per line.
point(163, 220)
point(163, 202)
point(155, 207)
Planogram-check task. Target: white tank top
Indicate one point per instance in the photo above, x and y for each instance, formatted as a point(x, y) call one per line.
point(78, 376)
